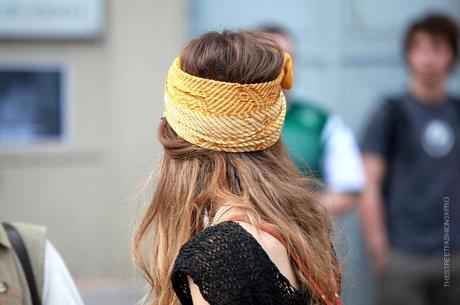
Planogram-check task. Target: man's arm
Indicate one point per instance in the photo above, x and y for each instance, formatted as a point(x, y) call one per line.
point(371, 209)
point(339, 202)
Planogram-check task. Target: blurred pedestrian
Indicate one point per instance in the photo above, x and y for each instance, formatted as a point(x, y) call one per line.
point(31, 270)
point(320, 143)
point(411, 147)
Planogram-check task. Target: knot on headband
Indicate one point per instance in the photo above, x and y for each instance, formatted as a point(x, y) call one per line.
point(224, 116)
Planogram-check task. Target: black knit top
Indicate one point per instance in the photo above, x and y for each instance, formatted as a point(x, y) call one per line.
point(230, 267)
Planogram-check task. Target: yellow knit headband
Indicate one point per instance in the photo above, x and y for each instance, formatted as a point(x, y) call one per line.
point(225, 116)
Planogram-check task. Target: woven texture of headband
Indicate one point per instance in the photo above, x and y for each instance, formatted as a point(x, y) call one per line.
point(224, 116)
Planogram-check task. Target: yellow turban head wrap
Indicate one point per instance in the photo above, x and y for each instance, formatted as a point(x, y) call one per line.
point(224, 116)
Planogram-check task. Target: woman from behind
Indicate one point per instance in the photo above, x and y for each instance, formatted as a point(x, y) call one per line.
point(231, 220)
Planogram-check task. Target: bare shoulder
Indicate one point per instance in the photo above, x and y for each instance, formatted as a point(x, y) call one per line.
point(275, 250)
point(271, 245)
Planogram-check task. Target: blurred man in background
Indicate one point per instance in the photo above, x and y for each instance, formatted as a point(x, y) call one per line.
point(320, 143)
point(411, 149)
point(31, 270)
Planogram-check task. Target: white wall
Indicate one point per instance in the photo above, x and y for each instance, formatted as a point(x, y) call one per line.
point(85, 193)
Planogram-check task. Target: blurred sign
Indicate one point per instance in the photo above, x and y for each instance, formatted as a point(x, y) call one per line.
point(55, 19)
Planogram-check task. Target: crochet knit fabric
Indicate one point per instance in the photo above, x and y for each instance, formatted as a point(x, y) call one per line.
point(230, 267)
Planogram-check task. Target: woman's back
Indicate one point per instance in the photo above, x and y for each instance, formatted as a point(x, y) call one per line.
point(229, 266)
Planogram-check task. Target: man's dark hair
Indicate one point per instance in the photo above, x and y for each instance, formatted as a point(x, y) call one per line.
point(437, 25)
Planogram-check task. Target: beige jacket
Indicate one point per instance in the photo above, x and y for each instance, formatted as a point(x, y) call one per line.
point(13, 284)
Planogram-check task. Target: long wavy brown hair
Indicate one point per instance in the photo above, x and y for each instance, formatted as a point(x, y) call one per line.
point(264, 184)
